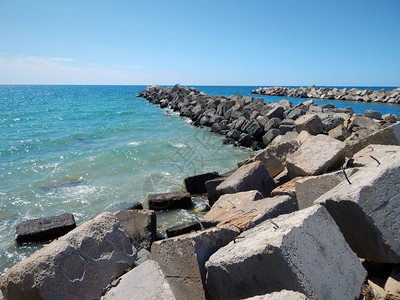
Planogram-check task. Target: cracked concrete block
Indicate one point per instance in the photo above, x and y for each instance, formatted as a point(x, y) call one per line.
point(303, 251)
point(145, 282)
point(368, 210)
point(182, 259)
point(372, 154)
point(79, 265)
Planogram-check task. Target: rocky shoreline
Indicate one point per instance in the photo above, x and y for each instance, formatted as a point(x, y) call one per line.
point(314, 214)
point(367, 95)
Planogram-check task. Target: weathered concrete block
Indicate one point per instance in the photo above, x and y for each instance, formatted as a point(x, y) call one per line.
point(303, 251)
point(247, 209)
point(140, 225)
point(212, 193)
point(276, 112)
point(188, 227)
point(170, 200)
point(79, 265)
point(44, 229)
point(274, 156)
point(372, 154)
point(282, 295)
point(310, 123)
point(317, 155)
point(368, 210)
point(182, 259)
point(310, 188)
point(253, 176)
point(287, 137)
point(339, 132)
point(144, 282)
point(288, 189)
point(196, 185)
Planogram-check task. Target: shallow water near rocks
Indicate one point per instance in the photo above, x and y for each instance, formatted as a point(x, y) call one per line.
point(88, 149)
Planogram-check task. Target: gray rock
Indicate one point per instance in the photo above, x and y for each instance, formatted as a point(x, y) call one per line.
point(272, 123)
point(367, 211)
point(246, 140)
point(310, 188)
point(187, 228)
point(316, 156)
point(390, 118)
point(253, 176)
point(287, 137)
point(182, 259)
point(170, 200)
point(310, 123)
point(212, 193)
point(282, 295)
point(303, 251)
point(44, 229)
point(78, 265)
point(140, 225)
point(276, 112)
point(142, 256)
point(270, 135)
point(144, 282)
point(340, 133)
point(247, 209)
point(196, 185)
point(284, 128)
point(373, 114)
point(294, 113)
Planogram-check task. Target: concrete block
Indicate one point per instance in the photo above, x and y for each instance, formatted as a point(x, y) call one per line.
point(253, 176)
point(78, 265)
point(310, 123)
point(368, 211)
point(212, 193)
point(140, 225)
point(145, 282)
point(170, 200)
point(316, 156)
point(372, 154)
point(310, 188)
point(248, 209)
point(303, 251)
point(288, 189)
point(282, 295)
point(196, 185)
point(44, 229)
point(182, 259)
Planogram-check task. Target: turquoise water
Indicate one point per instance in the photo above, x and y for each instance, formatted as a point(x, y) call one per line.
point(87, 149)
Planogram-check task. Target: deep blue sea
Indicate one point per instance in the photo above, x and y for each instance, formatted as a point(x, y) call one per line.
point(87, 149)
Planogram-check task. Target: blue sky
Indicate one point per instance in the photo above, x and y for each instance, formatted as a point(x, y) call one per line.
point(256, 42)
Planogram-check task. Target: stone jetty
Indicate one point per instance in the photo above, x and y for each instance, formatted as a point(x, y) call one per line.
point(314, 214)
point(367, 95)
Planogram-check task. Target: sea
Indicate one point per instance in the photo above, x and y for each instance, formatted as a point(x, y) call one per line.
point(89, 149)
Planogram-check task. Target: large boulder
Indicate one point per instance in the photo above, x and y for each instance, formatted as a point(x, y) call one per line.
point(367, 210)
point(140, 225)
point(44, 229)
point(316, 156)
point(144, 282)
point(253, 176)
point(247, 209)
point(303, 251)
point(169, 200)
point(196, 185)
point(308, 189)
point(183, 259)
point(79, 265)
point(310, 123)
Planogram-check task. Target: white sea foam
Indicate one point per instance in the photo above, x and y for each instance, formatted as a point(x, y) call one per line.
point(178, 145)
point(134, 143)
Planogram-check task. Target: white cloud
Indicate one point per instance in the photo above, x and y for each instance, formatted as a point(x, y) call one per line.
point(56, 70)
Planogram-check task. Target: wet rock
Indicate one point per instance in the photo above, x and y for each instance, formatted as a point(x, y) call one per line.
point(310, 123)
point(317, 155)
point(253, 176)
point(182, 259)
point(364, 209)
point(44, 229)
point(78, 265)
point(212, 193)
point(246, 140)
point(146, 281)
point(170, 200)
point(276, 255)
point(188, 227)
point(196, 185)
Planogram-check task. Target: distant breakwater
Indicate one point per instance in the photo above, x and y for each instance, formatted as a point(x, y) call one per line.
point(249, 122)
point(367, 95)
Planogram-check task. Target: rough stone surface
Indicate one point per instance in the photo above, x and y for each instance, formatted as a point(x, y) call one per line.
point(247, 209)
point(287, 137)
point(44, 229)
point(188, 227)
point(303, 251)
point(253, 176)
point(79, 265)
point(144, 282)
point(288, 189)
point(282, 295)
point(339, 132)
point(170, 200)
point(182, 259)
point(316, 156)
point(212, 193)
point(140, 225)
point(368, 211)
point(310, 188)
point(371, 155)
point(310, 123)
point(196, 185)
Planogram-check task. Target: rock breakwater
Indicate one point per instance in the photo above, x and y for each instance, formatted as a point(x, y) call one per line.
point(367, 95)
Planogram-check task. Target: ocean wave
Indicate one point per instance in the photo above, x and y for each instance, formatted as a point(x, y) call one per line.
point(134, 143)
point(178, 145)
